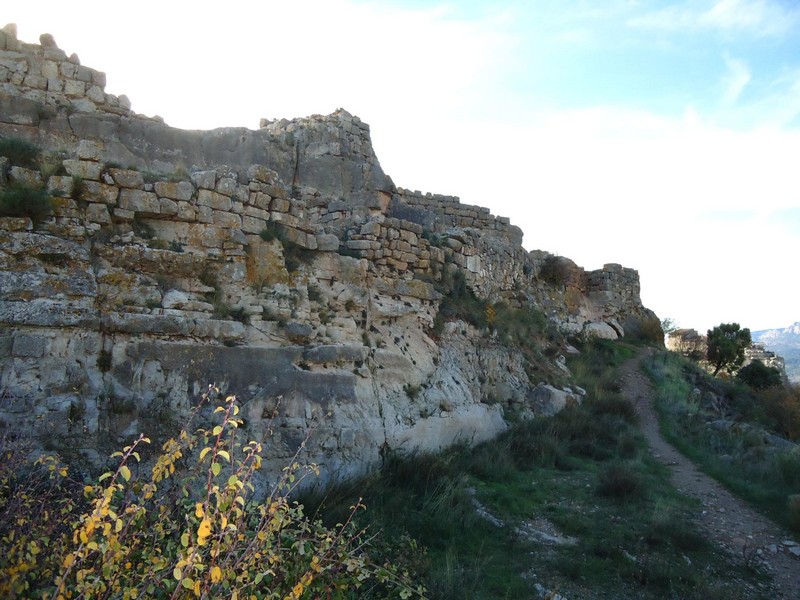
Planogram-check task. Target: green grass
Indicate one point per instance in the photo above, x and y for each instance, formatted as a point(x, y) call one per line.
point(20, 152)
point(737, 456)
point(23, 201)
point(584, 472)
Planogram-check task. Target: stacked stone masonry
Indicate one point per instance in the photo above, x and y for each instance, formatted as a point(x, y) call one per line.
point(293, 269)
point(46, 75)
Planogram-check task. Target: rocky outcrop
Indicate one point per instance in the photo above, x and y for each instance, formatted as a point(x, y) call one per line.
point(281, 264)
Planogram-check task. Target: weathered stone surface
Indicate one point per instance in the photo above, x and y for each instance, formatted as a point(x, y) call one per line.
point(175, 284)
point(127, 178)
point(83, 168)
point(138, 201)
point(182, 190)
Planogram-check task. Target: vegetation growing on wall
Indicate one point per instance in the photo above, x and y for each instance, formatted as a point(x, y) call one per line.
point(24, 201)
point(293, 254)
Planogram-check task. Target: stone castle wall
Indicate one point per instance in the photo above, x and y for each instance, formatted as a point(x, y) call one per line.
point(162, 269)
point(45, 75)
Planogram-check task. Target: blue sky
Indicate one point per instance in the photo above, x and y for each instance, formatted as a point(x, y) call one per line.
point(660, 135)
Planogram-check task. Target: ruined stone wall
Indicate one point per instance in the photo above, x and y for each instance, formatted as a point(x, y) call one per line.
point(45, 75)
point(450, 213)
point(281, 263)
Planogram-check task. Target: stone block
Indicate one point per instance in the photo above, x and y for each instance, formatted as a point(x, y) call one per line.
point(26, 177)
point(253, 224)
point(182, 190)
point(227, 220)
point(127, 178)
point(139, 201)
point(261, 173)
point(280, 205)
point(371, 228)
point(360, 244)
point(205, 214)
point(327, 242)
point(84, 105)
point(29, 346)
point(16, 224)
point(212, 237)
point(96, 94)
point(167, 207)
point(88, 150)
point(36, 82)
point(123, 215)
point(260, 200)
point(186, 212)
point(98, 213)
point(83, 74)
point(204, 179)
point(213, 200)
point(94, 191)
point(226, 186)
point(85, 169)
point(50, 69)
point(258, 213)
point(74, 89)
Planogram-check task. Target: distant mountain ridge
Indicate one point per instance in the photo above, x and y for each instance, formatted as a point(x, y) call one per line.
point(786, 343)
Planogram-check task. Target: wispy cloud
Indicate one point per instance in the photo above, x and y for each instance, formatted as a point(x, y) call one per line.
point(762, 18)
point(735, 80)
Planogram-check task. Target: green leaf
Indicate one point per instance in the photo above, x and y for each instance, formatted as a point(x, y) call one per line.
point(125, 472)
point(224, 454)
point(203, 453)
point(104, 476)
point(187, 582)
point(216, 468)
point(217, 430)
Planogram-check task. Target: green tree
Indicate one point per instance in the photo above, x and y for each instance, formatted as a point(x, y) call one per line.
point(726, 345)
point(668, 325)
point(759, 376)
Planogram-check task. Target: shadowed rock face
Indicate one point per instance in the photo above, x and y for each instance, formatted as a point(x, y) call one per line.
point(281, 264)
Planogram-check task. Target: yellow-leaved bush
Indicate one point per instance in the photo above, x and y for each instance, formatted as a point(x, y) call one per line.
point(179, 532)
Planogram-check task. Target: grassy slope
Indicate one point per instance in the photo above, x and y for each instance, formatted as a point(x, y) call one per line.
point(738, 456)
point(584, 473)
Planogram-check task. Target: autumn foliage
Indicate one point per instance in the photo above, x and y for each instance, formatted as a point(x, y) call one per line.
point(176, 532)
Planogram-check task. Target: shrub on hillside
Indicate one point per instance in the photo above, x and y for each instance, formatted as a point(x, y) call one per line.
point(23, 201)
point(194, 532)
point(620, 480)
point(20, 152)
point(759, 376)
point(781, 405)
point(555, 270)
point(647, 331)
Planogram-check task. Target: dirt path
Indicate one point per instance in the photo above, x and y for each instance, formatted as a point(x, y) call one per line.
point(727, 521)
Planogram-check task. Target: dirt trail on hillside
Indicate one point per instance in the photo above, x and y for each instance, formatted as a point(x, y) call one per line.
point(727, 521)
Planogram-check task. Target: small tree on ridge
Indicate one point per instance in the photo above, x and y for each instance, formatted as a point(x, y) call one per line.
point(726, 345)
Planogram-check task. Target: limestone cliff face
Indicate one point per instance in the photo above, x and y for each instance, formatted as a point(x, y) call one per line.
point(281, 264)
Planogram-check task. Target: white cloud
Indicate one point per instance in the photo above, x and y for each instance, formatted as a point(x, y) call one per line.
point(737, 77)
point(763, 18)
